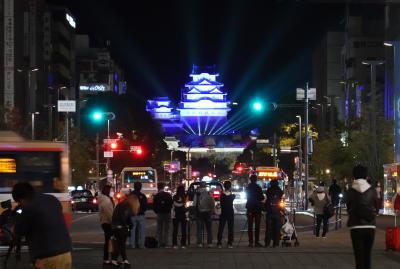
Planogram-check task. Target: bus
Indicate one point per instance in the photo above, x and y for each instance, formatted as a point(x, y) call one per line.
point(267, 173)
point(45, 165)
point(146, 175)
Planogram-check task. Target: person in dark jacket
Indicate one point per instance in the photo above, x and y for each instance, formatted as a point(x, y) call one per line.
point(179, 216)
point(138, 221)
point(319, 200)
point(255, 197)
point(42, 223)
point(361, 201)
point(120, 223)
point(334, 191)
point(162, 205)
point(227, 214)
point(273, 217)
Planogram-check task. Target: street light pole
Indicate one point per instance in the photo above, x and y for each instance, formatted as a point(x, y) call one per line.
point(306, 147)
point(300, 162)
point(33, 124)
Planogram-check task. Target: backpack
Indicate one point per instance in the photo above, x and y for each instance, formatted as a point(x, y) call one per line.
point(205, 202)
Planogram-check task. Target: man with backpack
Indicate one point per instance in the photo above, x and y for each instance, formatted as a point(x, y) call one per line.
point(273, 217)
point(361, 201)
point(162, 205)
point(204, 204)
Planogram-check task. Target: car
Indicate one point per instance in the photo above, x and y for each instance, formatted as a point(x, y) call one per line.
point(83, 200)
point(214, 187)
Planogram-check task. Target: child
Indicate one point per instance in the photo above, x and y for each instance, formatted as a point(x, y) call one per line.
point(227, 214)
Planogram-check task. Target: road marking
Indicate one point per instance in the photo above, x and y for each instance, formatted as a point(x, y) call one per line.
point(81, 218)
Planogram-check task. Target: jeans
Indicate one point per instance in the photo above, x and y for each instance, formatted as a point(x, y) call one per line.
point(362, 240)
point(272, 229)
point(176, 221)
point(204, 219)
point(253, 217)
point(321, 218)
point(221, 226)
point(163, 220)
point(138, 221)
point(120, 243)
point(107, 235)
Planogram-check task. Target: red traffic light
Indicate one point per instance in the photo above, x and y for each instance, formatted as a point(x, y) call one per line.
point(139, 151)
point(114, 145)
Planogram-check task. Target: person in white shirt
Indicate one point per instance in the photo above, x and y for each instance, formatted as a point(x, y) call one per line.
point(106, 207)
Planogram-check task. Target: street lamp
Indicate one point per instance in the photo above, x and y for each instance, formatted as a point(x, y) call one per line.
point(30, 97)
point(33, 123)
point(373, 64)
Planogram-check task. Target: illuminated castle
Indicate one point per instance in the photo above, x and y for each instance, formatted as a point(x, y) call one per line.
point(203, 109)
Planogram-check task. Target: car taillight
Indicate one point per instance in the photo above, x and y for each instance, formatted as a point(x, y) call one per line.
point(118, 196)
point(151, 185)
point(216, 194)
point(72, 202)
point(94, 201)
point(128, 186)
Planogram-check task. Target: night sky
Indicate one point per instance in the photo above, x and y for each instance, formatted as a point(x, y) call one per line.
point(260, 48)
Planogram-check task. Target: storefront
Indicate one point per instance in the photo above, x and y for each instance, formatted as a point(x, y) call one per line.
point(391, 185)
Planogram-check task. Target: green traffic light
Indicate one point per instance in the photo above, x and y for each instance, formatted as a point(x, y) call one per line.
point(257, 106)
point(97, 116)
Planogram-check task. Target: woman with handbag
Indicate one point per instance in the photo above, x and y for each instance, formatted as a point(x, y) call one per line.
point(320, 200)
point(121, 218)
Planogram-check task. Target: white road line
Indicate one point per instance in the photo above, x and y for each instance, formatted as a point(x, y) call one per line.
point(81, 218)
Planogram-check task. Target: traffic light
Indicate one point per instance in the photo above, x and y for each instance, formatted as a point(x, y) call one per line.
point(258, 106)
point(97, 116)
point(114, 145)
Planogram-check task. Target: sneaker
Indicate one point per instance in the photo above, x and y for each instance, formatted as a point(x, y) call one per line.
point(183, 247)
point(106, 262)
point(175, 247)
point(324, 237)
point(126, 262)
point(210, 245)
point(199, 245)
point(166, 246)
point(219, 245)
point(114, 263)
point(230, 246)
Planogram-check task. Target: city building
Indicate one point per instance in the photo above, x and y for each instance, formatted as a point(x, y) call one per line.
point(37, 55)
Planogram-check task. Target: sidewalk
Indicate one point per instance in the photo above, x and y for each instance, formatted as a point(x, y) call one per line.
point(332, 252)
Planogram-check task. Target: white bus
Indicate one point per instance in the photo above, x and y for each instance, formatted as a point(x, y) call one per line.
point(146, 175)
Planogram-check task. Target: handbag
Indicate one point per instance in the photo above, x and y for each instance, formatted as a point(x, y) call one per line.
point(329, 210)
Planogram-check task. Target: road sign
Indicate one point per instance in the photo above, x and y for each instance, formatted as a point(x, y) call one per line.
point(312, 94)
point(262, 141)
point(108, 154)
point(66, 106)
point(109, 141)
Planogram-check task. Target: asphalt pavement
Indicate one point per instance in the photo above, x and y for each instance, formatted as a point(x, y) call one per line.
point(333, 252)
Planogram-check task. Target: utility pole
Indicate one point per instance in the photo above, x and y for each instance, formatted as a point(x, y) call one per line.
point(97, 156)
point(306, 148)
point(275, 151)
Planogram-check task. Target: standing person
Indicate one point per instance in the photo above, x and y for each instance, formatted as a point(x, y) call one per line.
point(361, 201)
point(121, 221)
point(106, 207)
point(138, 220)
point(255, 197)
point(273, 217)
point(42, 223)
point(204, 203)
point(180, 217)
point(334, 191)
point(162, 205)
point(227, 214)
point(320, 199)
point(379, 194)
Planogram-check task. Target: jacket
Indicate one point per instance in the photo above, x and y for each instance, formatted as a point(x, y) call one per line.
point(106, 207)
point(362, 205)
point(255, 197)
point(203, 201)
point(121, 217)
point(143, 202)
point(42, 223)
point(179, 206)
point(319, 199)
point(274, 195)
point(162, 202)
point(226, 202)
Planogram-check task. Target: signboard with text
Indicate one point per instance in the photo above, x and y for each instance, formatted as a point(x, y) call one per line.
point(66, 106)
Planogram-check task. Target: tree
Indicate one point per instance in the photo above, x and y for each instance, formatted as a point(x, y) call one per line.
point(80, 152)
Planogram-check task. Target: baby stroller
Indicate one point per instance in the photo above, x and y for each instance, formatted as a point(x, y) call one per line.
point(288, 233)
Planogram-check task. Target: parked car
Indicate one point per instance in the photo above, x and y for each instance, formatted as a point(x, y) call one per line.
point(83, 200)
